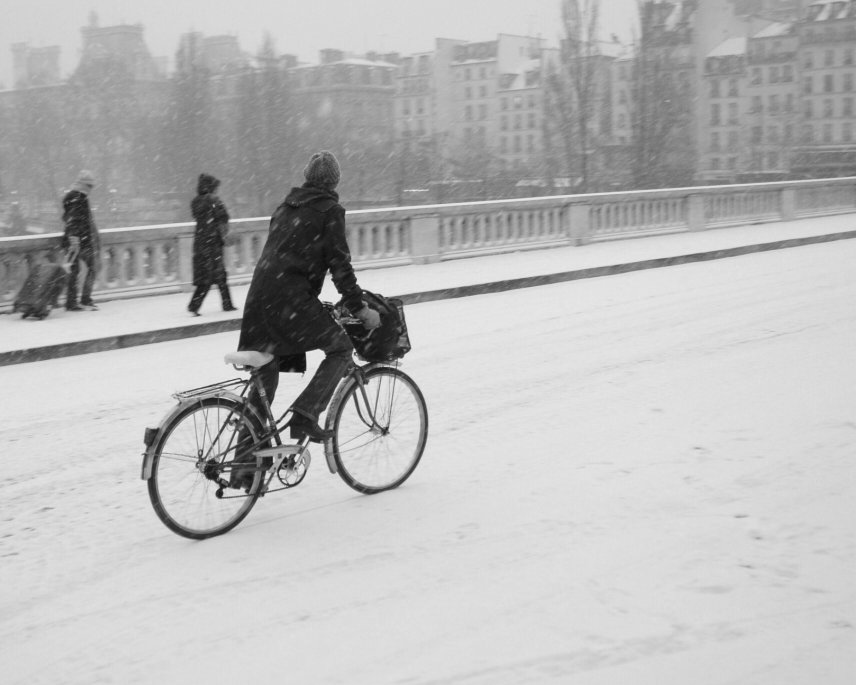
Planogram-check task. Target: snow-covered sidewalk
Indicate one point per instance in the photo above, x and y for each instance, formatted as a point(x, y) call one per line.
point(168, 313)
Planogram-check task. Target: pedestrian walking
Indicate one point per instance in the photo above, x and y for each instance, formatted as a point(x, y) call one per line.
point(212, 226)
point(81, 235)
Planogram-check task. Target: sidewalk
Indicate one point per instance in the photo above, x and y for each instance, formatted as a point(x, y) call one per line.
point(158, 318)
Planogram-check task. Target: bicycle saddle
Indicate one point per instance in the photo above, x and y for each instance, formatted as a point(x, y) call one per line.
point(249, 358)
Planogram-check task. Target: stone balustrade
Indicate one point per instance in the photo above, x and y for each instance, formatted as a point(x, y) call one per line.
point(153, 259)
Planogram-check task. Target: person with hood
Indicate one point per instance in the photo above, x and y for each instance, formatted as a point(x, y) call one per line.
point(212, 225)
point(283, 315)
point(80, 234)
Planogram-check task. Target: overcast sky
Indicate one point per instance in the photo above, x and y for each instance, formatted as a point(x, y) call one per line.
point(298, 27)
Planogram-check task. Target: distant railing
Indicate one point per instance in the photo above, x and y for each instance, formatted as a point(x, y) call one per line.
point(151, 259)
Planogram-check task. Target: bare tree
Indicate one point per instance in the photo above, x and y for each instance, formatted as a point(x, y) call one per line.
point(662, 150)
point(572, 86)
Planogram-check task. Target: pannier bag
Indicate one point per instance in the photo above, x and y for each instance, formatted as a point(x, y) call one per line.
point(387, 342)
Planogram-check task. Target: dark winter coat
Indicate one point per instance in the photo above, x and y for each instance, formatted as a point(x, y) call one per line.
point(212, 223)
point(77, 217)
point(282, 312)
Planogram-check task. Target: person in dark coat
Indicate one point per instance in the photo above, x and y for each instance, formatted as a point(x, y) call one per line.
point(80, 234)
point(212, 224)
point(283, 315)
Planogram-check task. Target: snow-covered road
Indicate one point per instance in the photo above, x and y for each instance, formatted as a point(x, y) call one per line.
point(646, 478)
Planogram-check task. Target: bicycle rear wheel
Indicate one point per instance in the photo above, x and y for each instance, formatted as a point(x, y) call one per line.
point(379, 429)
point(192, 458)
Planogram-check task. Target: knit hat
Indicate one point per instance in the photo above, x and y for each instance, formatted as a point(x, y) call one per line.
point(323, 170)
point(207, 184)
point(85, 181)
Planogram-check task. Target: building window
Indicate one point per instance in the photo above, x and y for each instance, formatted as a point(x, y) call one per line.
point(756, 76)
point(714, 88)
point(482, 111)
point(847, 107)
point(788, 73)
point(807, 84)
point(468, 113)
point(808, 109)
point(756, 134)
point(468, 93)
point(503, 123)
point(714, 115)
point(847, 132)
point(808, 60)
point(732, 112)
point(774, 74)
point(714, 142)
point(827, 108)
point(848, 56)
point(772, 160)
point(756, 104)
point(848, 82)
point(732, 87)
point(827, 133)
point(503, 103)
point(774, 104)
point(483, 91)
point(714, 163)
point(828, 58)
point(828, 86)
point(503, 145)
point(732, 141)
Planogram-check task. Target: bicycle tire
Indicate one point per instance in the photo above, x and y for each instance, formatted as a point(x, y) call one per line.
point(374, 458)
point(184, 497)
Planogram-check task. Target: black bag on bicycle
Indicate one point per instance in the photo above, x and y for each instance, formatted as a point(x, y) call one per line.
point(387, 342)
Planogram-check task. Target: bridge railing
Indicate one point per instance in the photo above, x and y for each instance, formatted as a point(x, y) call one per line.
point(158, 258)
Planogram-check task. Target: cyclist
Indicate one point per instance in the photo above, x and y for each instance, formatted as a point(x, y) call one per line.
point(283, 315)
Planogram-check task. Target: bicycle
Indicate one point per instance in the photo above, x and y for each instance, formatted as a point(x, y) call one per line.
point(377, 415)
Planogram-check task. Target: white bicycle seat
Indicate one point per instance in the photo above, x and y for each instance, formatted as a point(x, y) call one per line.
point(248, 358)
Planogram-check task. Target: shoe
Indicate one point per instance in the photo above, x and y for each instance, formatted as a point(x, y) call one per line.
point(242, 478)
point(302, 427)
point(230, 308)
point(74, 308)
point(194, 312)
point(90, 306)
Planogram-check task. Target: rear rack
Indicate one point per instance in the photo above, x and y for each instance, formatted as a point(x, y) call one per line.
point(213, 389)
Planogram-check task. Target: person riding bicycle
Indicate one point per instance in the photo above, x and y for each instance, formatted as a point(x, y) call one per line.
point(282, 313)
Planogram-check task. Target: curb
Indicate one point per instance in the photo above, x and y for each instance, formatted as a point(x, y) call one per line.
point(122, 341)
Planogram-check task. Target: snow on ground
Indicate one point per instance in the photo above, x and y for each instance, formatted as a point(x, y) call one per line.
point(645, 478)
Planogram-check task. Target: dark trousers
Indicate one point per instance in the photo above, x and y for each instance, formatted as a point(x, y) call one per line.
point(317, 393)
point(311, 402)
point(202, 290)
point(88, 258)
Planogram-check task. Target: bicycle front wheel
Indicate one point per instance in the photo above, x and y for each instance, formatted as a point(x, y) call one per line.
point(379, 429)
point(192, 459)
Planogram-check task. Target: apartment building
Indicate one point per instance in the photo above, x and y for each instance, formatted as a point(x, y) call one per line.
point(485, 78)
point(772, 103)
point(827, 45)
point(350, 97)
